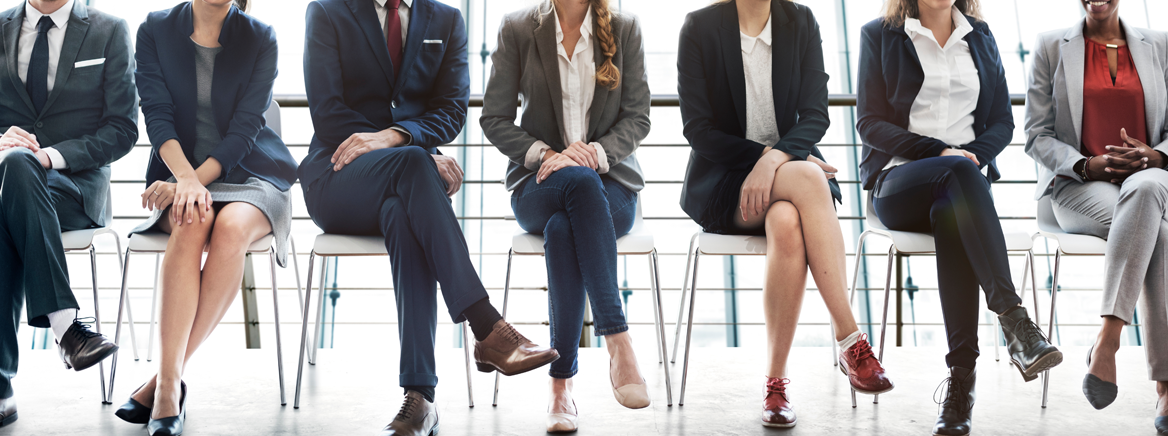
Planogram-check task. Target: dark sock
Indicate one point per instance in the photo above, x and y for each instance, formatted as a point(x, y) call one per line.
point(426, 391)
point(1007, 312)
point(482, 317)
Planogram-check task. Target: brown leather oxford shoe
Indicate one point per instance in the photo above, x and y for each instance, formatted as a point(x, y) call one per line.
point(507, 351)
point(417, 417)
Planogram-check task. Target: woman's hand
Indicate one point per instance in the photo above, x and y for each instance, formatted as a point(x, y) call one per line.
point(553, 163)
point(158, 196)
point(962, 153)
point(582, 154)
point(828, 170)
point(191, 199)
point(755, 197)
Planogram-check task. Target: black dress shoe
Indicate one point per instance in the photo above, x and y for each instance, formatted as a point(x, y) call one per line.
point(956, 417)
point(8, 411)
point(134, 412)
point(171, 425)
point(1098, 392)
point(417, 417)
point(1029, 350)
point(81, 348)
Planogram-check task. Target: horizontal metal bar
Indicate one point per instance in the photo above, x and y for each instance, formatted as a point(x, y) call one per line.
point(657, 100)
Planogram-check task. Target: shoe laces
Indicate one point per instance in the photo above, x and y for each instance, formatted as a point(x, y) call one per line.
point(513, 335)
point(1029, 332)
point(82, 332)
point(778, 386)
point(408, 408)
point(948, 392)
point(861, 350)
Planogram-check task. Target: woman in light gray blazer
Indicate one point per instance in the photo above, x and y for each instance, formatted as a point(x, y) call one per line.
point(1097, 99)
point(579, 70)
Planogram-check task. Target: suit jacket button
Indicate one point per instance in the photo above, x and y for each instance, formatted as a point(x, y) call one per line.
point(39, 125)
point(393, 104)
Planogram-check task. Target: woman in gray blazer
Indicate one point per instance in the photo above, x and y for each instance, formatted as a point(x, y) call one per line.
point(579, 70)
point(1096, 99)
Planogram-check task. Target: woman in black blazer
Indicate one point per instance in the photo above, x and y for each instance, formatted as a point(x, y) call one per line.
point(219, 177)
point(934, 112)
point(753, 114)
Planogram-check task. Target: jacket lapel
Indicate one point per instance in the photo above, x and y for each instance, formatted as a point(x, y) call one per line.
point(1073, 55)
point(367, 19)
point(12, 25)
point(1152, 81)
point(419, 22)
point(545, 45)
point(782, 58)
point(986, 73)
point(74, 36)
point(600, 96)
point(732, 60)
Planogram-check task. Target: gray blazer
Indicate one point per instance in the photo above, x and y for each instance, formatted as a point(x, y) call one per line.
point(525, 68)
point(91, 116)
point(1054, 100)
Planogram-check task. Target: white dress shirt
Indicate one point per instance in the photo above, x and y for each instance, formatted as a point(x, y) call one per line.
point(403, 14)
point(761, 126)
point(577, 87)
point(56, 37)
point(944, 107)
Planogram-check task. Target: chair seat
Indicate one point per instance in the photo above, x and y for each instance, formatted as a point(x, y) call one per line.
point(636, 242)
point(345, 245)
point(727, 245)
point(923, 243)
point(78, 240)
point(1078, 245)
point(155, 242)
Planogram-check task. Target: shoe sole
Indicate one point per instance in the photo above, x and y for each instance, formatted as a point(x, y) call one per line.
point(489, 368)
point(938, 434)
point(772, 425)
point(862, 391)
point(1044, 363)
point(8, 420)
point(95, 361)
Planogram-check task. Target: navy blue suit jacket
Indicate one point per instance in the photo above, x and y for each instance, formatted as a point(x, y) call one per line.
point(241, 91)
point(352, 87)
point(711, 86)
point(890, 79)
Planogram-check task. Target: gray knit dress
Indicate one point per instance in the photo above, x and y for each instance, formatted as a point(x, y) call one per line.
point(275, 204)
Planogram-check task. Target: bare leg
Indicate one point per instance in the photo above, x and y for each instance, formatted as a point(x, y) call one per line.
point(1106, 345)
point(786, 282)
point(1162, 401)
point(561, 396)
point(624, 360)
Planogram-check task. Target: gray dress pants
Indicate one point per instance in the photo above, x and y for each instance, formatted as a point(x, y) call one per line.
point(1132, 217)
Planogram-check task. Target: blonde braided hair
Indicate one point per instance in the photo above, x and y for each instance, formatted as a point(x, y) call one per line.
point(607, 74)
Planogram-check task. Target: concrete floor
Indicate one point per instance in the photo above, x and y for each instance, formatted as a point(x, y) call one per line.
point(353, 392)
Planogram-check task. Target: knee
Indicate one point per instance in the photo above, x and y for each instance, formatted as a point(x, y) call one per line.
point(1147, 184)
point(195, 232)
point(415, 155)
point(783, 226)
point(19, 162)
point(582, 181)
point(810, 175)
point(232, 233)
point(959, 166)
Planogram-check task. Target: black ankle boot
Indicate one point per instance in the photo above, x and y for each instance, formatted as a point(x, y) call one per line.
point(956, 417)
point(1029, 350)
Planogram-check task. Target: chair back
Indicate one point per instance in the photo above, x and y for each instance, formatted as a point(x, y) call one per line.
point(639, 220)
point(1046, 220)
point(272, 115)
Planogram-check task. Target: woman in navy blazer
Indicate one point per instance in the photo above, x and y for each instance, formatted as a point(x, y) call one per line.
point(753, 114)
point(217, 173)
point(932, 116)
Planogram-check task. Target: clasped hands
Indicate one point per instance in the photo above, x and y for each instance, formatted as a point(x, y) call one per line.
point(1122, 161)
point(755, 197)
point(577, 154)
point(17, 137)
point(360, 143)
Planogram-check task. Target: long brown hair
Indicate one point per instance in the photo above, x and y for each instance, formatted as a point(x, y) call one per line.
point(607, 74)
point(242, 4)
point(895, 11)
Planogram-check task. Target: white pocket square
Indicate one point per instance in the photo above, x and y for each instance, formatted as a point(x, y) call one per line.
point(431, 41)
point(88, 63)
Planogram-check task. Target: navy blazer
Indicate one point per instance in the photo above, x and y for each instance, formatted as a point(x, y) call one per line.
point(241, 90)
point(890, 79)
point(711, 87)
point(352, 88)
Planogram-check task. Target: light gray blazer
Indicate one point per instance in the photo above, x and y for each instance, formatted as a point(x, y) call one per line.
point(1054, 100)
point(525, 67)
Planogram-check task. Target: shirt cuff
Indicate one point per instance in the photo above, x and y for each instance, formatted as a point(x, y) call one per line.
point(534, 156)
point(403, 131)
point(601, 158)
point(56, 158)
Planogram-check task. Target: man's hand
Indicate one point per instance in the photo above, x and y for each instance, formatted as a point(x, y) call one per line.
point(44, 158)
point(962, 153)
point(450, 171)
point(582, 154)
point(361, 143)
point(1118, 164)
point(18, 137)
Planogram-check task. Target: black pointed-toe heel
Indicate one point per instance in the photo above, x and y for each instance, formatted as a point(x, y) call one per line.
point(1098, 392)
point(171, 425)
point(134, 412)
point(1162, 424)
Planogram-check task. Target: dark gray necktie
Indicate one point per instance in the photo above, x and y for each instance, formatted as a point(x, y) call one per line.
point(37, 80)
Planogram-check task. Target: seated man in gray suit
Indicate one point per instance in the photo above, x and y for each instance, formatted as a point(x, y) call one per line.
point(68, 108)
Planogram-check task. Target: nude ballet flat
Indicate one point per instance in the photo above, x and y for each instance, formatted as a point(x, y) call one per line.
point(633, 396)
point(563, 422)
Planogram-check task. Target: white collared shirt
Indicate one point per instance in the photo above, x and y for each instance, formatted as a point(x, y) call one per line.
point(761, 126)
point(577, 87)
point(944, 107)
point(403, 14)
point(56, 38)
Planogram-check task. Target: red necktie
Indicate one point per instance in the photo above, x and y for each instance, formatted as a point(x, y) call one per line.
point(393, 35)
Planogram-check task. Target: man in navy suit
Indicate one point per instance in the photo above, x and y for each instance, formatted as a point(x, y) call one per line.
point(387, 83)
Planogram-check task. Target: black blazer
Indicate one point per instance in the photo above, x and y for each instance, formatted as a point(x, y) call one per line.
point(241, 91)
point(890, 79)
point(711, 87)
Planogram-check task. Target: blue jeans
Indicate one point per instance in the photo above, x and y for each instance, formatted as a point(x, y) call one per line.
point(580, 214)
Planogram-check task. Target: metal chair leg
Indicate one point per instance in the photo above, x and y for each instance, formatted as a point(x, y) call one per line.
point(693, 293)
point(312, 347)
point(997, 340)
point(118, 326)
point(661, 326)
point(1058, 257)
point(681, 304)
point(276, 318)
point(153, 307)
point(466, 351)
point(884, 319)
point(656, 319)
point(834, 343)
point(296, 270)
point(852, 294)
point(303, 350)
point(97, 319)
point(506, 295)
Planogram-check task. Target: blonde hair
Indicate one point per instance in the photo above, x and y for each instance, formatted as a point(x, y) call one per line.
point(607, 74)
point(895, 11)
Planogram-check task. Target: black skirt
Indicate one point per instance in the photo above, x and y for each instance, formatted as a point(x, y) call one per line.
point(723, 206)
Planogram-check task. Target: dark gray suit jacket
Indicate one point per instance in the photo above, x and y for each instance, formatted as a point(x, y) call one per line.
point(91, 116)
point(525, 66)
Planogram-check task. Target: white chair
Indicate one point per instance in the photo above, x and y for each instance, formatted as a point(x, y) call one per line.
point(330, 245)
point(82, 240)
point(923, 243)
point(1068, 245)
point(638, 242)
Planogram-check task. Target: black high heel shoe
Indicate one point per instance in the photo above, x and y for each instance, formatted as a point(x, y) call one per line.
point(171, 425)
point(1098, 392)
point(134, 412)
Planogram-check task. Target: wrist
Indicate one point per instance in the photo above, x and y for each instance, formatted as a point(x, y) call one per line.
point(43, 158)
point(548, 154)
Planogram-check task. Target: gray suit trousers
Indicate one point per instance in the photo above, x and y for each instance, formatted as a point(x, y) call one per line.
point(1132, 217)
